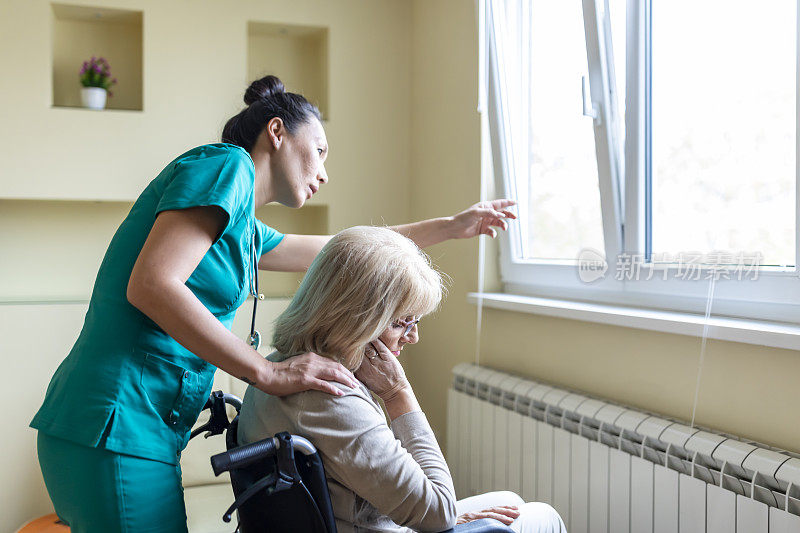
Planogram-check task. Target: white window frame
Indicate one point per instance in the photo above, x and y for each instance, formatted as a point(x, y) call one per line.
point(774, 296)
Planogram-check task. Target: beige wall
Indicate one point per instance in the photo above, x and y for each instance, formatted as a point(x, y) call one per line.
point(445, 164)
point(746, 390)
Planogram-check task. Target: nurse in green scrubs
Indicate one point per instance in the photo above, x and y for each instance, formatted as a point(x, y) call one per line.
point(120, 408)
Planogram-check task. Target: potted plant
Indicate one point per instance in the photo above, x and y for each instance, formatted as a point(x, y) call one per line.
point(96, 79)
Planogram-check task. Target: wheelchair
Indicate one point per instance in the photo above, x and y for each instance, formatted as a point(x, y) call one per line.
point(279, 483)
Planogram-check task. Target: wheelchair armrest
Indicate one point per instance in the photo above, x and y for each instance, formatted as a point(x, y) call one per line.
point(243, 455)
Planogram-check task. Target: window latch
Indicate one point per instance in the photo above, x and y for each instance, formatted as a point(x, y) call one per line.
point(589, 109)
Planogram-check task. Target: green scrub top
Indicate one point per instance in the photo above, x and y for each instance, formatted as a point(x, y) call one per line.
point(126, 385)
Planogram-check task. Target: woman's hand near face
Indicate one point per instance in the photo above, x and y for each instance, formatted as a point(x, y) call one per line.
point(306, 372)
point(383, 374)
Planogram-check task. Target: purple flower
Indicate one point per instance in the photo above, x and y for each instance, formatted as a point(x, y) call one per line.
point(97, 73)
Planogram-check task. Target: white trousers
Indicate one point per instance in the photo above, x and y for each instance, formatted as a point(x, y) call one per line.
point(534, 517)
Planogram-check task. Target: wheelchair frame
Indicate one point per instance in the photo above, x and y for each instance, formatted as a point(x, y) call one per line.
point(266, 474)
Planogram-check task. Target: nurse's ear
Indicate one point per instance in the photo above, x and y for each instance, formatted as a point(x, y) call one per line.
point(275, 131)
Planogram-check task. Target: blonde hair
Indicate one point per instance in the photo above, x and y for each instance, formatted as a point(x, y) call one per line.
point(364, 279)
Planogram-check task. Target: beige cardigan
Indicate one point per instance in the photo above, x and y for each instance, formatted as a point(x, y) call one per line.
point(380, 479)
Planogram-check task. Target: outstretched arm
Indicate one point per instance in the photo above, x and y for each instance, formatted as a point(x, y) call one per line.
point(479, 219)
point(296, 252)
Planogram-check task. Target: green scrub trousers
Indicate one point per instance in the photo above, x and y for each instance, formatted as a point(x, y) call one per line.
point(94, 489)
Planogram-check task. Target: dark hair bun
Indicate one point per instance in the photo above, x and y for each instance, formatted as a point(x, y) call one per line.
point(264, 88)
point(266, 99)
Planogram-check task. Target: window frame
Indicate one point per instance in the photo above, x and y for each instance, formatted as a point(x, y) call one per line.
point(774, 296)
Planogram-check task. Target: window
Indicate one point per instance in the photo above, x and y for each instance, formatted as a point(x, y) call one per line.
point(723, 116)
point(560, 188)
point(657, 138)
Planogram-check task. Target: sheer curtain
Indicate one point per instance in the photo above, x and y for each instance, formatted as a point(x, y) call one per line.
point(507, 82)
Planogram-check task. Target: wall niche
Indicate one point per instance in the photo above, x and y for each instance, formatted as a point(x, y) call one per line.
point(298, 55)
point(80, 32)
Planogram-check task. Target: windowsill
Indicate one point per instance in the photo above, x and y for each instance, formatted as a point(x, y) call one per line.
point(775, 334)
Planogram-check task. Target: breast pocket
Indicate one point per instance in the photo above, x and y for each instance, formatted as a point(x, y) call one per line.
point(163, 384)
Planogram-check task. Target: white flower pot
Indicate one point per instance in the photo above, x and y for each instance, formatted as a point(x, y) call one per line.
point(94, 97)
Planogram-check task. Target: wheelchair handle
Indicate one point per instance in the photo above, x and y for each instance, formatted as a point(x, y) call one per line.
point(249, 453)
point(232, 400)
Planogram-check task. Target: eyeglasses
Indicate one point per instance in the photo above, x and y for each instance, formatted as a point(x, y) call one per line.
point(409, 324)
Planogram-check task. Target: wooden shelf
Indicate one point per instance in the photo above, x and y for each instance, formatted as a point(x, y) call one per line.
point(81, 108)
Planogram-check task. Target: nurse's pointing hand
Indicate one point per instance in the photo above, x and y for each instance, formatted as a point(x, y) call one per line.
point(306, 372)
point(480, 218)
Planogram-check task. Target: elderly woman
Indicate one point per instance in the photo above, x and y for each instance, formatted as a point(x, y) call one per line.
point(359, 304)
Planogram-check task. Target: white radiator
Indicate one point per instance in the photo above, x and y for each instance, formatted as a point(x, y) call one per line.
point(609, 469)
